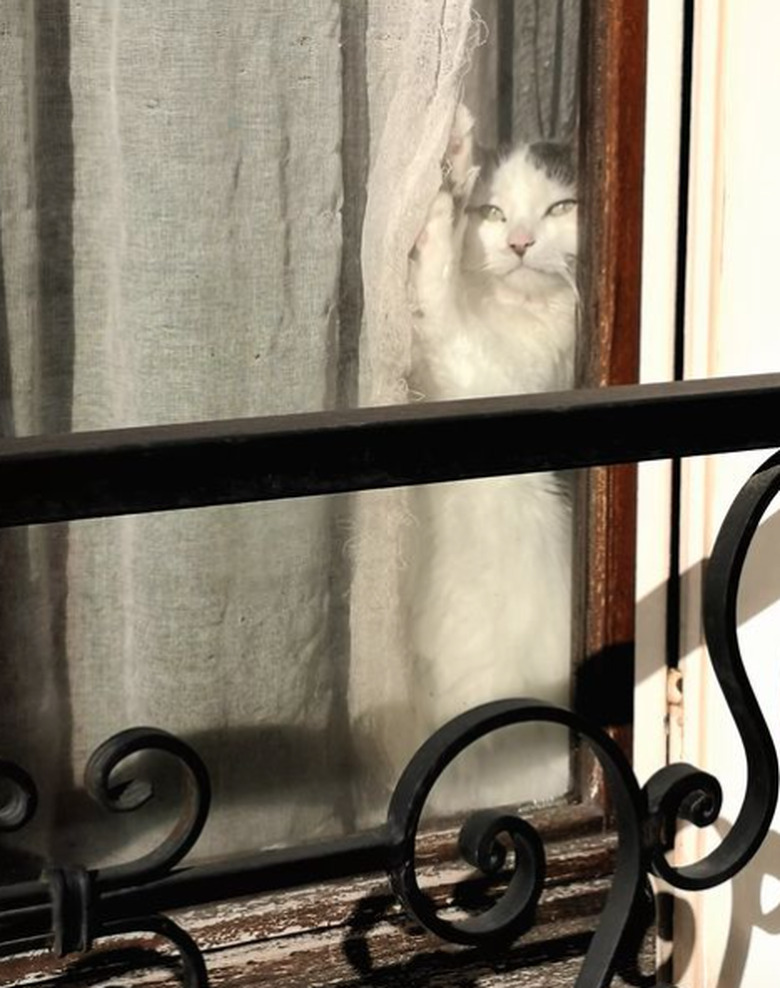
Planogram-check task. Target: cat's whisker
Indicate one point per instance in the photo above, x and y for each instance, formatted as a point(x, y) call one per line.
point(570, 278)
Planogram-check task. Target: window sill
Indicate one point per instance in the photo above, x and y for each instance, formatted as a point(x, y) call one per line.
point(354, 932)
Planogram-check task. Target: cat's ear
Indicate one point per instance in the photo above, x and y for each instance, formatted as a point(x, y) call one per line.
point(459, 165)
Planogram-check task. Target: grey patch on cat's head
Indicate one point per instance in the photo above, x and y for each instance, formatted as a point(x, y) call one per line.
point(558, 161)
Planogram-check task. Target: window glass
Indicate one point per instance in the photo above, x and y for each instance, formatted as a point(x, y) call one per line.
point(215, 215)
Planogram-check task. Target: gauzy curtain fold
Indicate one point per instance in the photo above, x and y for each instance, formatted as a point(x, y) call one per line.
point(388, 721)
point(534, 91)
point(181, 196)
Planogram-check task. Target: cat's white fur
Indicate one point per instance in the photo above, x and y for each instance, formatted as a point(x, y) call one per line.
point(490, 587)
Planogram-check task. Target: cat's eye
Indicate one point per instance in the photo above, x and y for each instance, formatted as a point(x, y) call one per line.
point(491, 213)
point(561, 208)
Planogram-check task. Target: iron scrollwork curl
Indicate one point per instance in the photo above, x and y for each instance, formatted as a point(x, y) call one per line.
point(193, 966)
point(131, 795)
point(19, 799)
point(684, 792)
point(76, 893)
point(513, 913)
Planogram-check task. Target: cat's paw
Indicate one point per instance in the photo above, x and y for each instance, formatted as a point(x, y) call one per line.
point(432, 254)
point(438, 223)
point(458, 166)
point(436, 235)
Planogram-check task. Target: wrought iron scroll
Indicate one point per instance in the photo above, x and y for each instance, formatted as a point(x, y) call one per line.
point(69, 908)
point(21, 797)
point(79, 897)
point(129, 796)
point(514, 912)
point(681, 791)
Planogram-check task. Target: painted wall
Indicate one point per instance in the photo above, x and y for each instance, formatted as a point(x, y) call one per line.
point(729, 936)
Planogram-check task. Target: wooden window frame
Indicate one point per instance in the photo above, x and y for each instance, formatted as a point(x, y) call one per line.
point(614, 44)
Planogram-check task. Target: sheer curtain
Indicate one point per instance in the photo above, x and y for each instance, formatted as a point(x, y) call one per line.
point(182, 189)
point(205, 212)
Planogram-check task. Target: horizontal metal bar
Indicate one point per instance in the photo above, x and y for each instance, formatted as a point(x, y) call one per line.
point(128, 471)
point(27, 911)
point(365, 853)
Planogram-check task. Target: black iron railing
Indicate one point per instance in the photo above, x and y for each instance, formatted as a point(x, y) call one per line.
point(166, 468)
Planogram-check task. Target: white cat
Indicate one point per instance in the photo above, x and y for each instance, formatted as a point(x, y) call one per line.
point(494, 296)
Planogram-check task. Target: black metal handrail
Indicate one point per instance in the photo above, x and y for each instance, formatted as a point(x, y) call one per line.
point(125, 471)
point(185, 466)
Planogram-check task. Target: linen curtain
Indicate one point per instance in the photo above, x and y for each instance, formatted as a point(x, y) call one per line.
point(205, 212)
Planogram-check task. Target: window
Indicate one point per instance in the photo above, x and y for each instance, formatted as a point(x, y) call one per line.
point(613, 64)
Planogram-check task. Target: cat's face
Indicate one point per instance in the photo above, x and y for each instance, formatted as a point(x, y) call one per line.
point(522, 221)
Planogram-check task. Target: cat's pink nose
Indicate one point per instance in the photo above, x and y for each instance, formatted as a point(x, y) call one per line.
point(520, 241)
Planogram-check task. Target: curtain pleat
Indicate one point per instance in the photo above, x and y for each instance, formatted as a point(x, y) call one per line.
point(182, 212)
